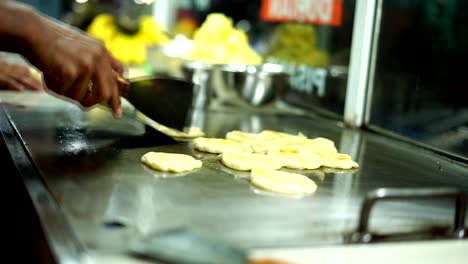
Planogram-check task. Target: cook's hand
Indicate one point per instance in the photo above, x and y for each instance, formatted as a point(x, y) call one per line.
point(17, 77)
point(75, 65)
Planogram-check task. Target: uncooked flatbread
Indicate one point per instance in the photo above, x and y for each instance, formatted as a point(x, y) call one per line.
point(219, 145)
point(282, 182)
point(296, 157)
point(295, 151)
point(322, 145)
point(273, 135)
point(170, 162)
point(241, 136)
point(265, 140)
point(338, 161)
point(245, 161)
point(262, 146)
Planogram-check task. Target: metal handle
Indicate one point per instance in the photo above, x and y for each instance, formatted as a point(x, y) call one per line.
point(412, 193)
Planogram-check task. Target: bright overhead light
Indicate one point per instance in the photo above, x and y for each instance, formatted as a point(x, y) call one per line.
point(143, 2)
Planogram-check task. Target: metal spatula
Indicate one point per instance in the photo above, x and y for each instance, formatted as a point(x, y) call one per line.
point(165, 100)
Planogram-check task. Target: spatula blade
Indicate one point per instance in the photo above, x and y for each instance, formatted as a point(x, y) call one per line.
point(164, 100)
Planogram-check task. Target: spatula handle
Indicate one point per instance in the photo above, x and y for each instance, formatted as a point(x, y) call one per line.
point(123, 85)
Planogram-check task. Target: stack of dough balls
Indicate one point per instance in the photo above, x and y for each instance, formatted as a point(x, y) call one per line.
point(264, 153)
point(217, 41)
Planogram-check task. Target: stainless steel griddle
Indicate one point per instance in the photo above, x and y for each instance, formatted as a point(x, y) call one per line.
point(90, 166)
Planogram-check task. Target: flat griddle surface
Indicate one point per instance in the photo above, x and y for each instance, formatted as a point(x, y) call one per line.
point(91, 164)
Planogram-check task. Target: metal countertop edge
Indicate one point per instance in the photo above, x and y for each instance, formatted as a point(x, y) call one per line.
point(377, 130)
point(63, 243)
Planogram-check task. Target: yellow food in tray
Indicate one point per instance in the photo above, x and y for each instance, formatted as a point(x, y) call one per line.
point(170, 162)
point(296, 43)
point(217, 41)
point(282, 182)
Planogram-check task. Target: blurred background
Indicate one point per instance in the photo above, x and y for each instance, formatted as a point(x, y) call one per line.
point(419, 90)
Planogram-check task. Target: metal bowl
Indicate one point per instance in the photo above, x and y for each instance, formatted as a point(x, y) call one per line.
point(255, 84)
point(201, 75)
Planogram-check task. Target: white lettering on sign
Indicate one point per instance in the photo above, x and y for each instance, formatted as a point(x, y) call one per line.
point(308, 80)
point(326, 12)
point(305, 79)
point(308, 10)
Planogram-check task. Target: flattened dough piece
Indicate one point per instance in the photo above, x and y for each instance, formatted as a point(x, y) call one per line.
point(265, 140)
point(338, 161)
point(170, 162)
point(263, 146)
point(282, 182)
point(320, 145)
point(268, 139)
point(241, 136)
point(272, 135)
point(245, 161)
point(296, 157)
point(219, 145)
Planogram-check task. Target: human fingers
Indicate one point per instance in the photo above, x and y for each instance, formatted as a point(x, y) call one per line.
point(82, 89)
point(26, 78)
point(64, 79)
point(20, 74)
point(107, 87)
point(31, 83)
point(9, 83)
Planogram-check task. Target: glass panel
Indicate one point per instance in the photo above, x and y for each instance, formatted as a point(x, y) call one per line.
point(420, 88)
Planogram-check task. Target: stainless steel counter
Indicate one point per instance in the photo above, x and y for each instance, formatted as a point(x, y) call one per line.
point(90, 164)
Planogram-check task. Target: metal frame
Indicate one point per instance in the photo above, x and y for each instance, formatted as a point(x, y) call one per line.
point(363, 235)
point(362, 62)
point(64, 245)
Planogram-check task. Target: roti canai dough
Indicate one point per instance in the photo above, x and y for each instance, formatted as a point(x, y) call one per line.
point(219, 145)
point(241, 136)
point(282, 182)
point(265, 135)
point(322, 145)
point(263, 141)
point(287, 150)
point(296, 157)
point(338, 161)
point(272, 135)
point(245, 161)
point(170, 162)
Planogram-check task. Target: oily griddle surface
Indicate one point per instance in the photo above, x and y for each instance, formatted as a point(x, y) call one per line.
point(91, 164)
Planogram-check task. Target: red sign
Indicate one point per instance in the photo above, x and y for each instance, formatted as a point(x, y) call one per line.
point(324, 12)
